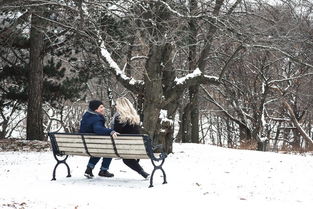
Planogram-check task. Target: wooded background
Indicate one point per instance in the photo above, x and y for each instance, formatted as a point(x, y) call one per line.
point(235, 73)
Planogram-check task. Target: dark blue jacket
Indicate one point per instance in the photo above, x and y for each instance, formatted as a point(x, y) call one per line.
point(93, 122)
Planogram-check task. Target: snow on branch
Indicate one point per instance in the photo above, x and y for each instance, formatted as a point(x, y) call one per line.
point(195, 74)
point(110, 61)
point(194, 78)
point(115, 67)
point(182, 80)
point(128, 82)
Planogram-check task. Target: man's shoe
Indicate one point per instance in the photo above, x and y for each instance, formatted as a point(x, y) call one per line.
point(88, 173)
point(144, 174)
point(105, 173)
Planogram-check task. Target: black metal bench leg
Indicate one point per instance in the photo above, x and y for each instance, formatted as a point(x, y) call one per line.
point(54, 170)
point(68, 170)
point(157, 167)
point(151, 177)
point(164, 176)
point(58, 163)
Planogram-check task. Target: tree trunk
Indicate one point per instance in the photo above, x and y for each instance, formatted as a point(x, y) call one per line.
point(153, 91)
point(310, 128)
point(230, 143)
point(4, 126)
point(194, 114)
point(294, 120)
point(296, 143)
point(193, 90)
point(180, 119)
point(185, 124)
point(275, 144)
point(244, 134)
point(140, 102)
point(35, 76)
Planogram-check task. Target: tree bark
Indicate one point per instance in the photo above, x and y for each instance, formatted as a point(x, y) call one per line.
point(194, 113)
point(157, 65)
point(193, 90)
point(190, 119)
point(35, 76)
point(153, 90)
point(185, 124)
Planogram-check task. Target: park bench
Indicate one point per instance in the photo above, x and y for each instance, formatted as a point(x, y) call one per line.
point(124, 146)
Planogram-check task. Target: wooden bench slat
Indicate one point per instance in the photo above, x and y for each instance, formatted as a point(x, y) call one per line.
point(110, 141)
point(108, 155)
point(124, 156)
point(93, 154)
point(98, 141)
point(128, 142)
point(96, 137)
point(137, 156)
point(70, 140)
point(76, 149)
point(81, 145)
point(128, 137)
point(130, 146)
point(79, 140)
point(102, 150)
point(102, 146)
point(118, 138)
point(89, 140)
point(133, 151)
point(67, 136)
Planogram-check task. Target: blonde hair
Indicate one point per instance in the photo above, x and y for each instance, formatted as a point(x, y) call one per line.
point(127, 111)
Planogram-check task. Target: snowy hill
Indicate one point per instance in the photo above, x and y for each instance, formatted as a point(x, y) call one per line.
point(197, 174)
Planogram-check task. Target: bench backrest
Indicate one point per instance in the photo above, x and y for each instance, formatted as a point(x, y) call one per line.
point(124, 146)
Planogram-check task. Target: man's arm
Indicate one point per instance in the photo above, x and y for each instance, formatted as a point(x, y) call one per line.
point(98, 128)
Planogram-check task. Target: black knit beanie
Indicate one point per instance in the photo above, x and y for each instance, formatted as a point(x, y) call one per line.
point(94, 104)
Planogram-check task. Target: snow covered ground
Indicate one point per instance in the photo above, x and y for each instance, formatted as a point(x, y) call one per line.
point(200, 176)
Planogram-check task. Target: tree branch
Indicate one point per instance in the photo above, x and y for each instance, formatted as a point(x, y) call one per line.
point(293, 118)
point(128, 82)
point(281, 51)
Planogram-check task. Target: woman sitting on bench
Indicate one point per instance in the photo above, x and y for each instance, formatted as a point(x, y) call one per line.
point(126, 121)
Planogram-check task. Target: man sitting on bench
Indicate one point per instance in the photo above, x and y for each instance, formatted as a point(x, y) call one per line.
point(93, 121)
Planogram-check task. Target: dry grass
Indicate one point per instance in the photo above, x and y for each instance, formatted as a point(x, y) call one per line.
point(248, 145)
point(23, 145)
point(300, 150)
